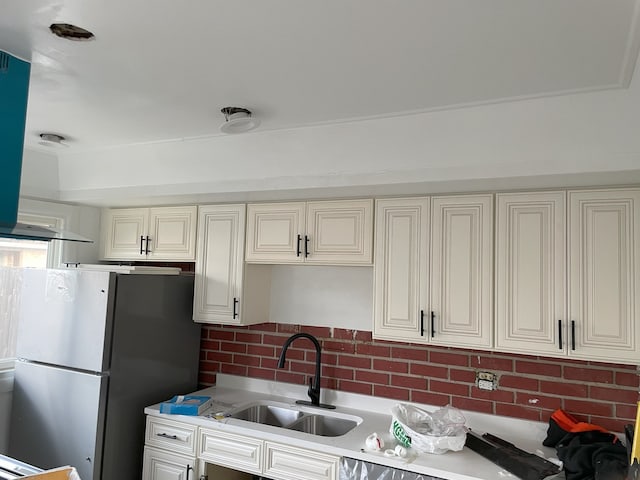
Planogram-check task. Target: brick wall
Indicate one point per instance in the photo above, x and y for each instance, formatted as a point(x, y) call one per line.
point(529, 387)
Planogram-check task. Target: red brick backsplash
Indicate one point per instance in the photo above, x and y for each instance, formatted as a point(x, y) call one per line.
point(529, 387)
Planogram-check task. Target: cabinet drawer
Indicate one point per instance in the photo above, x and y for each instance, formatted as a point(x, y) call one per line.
point(174, 436)
point(290, 463)
point(229, 450)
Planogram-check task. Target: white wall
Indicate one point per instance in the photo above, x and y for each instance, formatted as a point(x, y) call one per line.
point(322, 296)
point(83, 220)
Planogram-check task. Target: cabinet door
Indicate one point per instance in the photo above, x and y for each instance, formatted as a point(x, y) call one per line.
point(123, 232)
point(401, 268)
point(531, 272)
point(285, 462)
point(275, 232)
point(604, 274)
point(219, 266)
point(164, 465)
point(339, 233)
point(172, 233)
point(461, 270)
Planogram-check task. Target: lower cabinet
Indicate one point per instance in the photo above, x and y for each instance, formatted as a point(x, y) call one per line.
point(284, 462)
point(270, 459)
point(181, 451)
point(170, 450)
point(161, 464)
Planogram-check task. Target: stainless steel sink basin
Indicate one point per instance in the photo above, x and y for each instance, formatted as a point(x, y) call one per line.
point(268, 415)
point(305, 420)
point(323, 425)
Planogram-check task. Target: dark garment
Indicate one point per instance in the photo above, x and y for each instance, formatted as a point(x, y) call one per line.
point(593, 455)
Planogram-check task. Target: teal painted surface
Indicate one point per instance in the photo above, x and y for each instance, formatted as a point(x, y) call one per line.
point(14, 91)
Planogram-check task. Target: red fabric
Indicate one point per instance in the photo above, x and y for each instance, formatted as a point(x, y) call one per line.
point(570, 424)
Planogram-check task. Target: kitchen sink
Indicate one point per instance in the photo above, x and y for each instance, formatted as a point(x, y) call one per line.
point(323, 425)
point(297, 420)
point(268, 415)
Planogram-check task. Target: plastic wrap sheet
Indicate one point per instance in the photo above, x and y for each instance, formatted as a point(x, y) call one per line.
point(352, 469)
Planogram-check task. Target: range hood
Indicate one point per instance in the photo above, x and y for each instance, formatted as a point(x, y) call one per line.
point(14, 91)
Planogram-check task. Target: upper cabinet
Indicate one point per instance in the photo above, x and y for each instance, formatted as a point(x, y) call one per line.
point(433, 270)
point(324, 232)
point(152, 234)
point(566, 278)
point(604, 275)
point(224, 292)
point(531, 272)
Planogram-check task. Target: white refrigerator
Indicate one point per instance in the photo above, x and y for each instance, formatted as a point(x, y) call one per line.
point(94, 348)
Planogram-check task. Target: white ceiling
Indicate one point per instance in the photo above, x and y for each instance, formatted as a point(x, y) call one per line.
point(355, 97)
point(161, 70)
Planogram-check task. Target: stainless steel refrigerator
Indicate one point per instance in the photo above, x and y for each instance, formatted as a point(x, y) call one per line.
point(94, 349)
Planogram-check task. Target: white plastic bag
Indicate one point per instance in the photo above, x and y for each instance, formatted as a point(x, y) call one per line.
point(436, 432)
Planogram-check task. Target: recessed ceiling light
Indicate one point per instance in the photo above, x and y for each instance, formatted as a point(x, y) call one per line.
point(238, 120)
point(52, 140)
point(70, 32)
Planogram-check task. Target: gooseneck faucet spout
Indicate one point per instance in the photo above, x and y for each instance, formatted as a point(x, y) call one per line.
point(314, 383)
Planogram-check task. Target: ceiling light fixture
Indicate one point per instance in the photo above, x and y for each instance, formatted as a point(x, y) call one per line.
point(70, 32)
point(238, 120)
point(52, 140)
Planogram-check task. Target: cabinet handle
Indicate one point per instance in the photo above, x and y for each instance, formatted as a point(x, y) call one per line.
point(560, 334)
point(306, 246)
point(422, 323)
point(146, 249)
point(189, 468)
point(166, 435)
point(235, 307)
point(141, 241)
point(433, 324)
point(573, 335)
point(298, 247)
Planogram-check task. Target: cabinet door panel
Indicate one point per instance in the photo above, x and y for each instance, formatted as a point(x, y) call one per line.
point(172, 232)
point(340, 232)
point(530, 272)
point(400, 269)
point(605, 273)
point(272, 232)
point(219, 268)
point(121, 232)
point(238, 452)
point(164, 465)
point(461, 270)
point(290, 463)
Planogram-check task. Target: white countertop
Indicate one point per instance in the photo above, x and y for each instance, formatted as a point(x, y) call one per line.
point(231, 392)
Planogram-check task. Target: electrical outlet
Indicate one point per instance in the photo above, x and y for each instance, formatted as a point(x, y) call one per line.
point(486, 381)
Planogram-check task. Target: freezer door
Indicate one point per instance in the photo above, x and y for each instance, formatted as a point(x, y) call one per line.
point(65, 318)
point(57, 418)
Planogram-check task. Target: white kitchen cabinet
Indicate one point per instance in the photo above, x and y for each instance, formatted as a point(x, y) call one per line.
point(604, 275)
point(461, 266)
point(286, 462)
point(239, 452)
point(401, 278)
point(170, 450)
point(566, 284)
point(433, 270)
point(152, 234)
point(530, 275)
point(321, 233)
point(164, 465)
point(227, 291)
point(270, 459)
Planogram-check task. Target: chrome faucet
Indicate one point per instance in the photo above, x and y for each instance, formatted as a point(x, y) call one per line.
point(314, 383)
